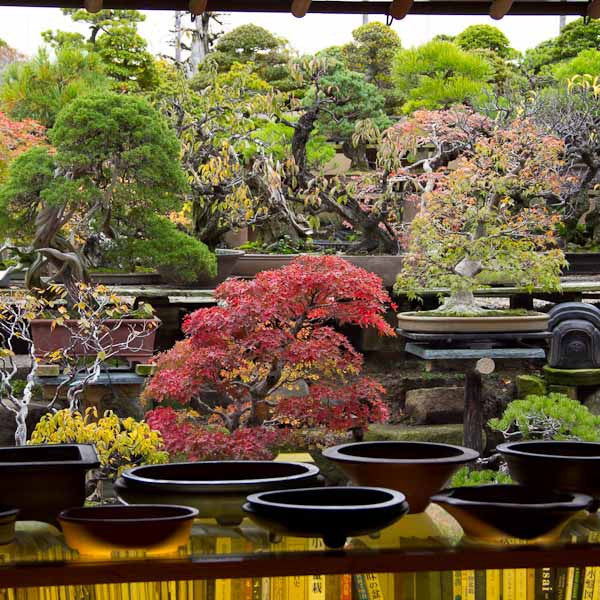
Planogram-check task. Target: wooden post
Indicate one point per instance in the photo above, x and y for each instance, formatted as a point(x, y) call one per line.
point(473, 416)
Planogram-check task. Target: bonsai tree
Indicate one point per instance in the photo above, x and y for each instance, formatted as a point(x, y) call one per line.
point(371, 53)
point(438, 75)
point(114, 161)
point(121, 443)
point(268, 354)
point(487, 213)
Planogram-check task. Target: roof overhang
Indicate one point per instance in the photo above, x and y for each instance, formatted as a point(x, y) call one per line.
point(418, 7)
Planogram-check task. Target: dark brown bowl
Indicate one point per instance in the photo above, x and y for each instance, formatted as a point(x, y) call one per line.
point(218, 489)
point(41, 480)
point(417, 469)
point(549, 465)
point(493, 512)
point(102, 530)
point(331, 513)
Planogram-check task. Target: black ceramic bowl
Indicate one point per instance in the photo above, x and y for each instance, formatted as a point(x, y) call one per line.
point(218, 489)
point(490, 512)
point(43, 479)
point(101, 530)
point(567, 466)
point(331, 513)
point(417, 469)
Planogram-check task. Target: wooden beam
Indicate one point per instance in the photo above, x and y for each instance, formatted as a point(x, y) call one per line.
point(197, 7)
point(300, 8)
point(499, 8)
point(400, 8)
point(419, 7)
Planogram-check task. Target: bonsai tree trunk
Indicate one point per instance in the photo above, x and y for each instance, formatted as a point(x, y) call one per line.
point(461, 299)
point(357, 154)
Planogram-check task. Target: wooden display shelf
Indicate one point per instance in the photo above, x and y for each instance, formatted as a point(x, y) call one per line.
point(41, 558)
point(268, 564)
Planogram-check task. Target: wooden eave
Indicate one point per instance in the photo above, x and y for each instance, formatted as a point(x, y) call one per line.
point(419, 7)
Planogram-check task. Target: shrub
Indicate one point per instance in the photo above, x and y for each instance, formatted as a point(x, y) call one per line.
point(121, 443)
point(468, 477)
point(551, 417)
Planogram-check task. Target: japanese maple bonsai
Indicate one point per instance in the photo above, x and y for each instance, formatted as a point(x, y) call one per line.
point(266, 364)
point(486, 213)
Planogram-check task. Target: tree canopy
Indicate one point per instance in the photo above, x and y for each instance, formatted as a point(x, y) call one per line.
point(485, 37)
point(372, 53)
point(439, 74)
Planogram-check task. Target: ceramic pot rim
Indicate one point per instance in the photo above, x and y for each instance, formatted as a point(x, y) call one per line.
point(510, 449)
point(84, 514)
point(539, 316)
point(577, 501)
point(8, 511)
point(337, 453)
point(88, 457)
point(258, 500)
point(309, 471)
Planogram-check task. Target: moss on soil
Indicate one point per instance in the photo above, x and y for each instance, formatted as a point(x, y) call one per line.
point(516, 312)
point(444, 434)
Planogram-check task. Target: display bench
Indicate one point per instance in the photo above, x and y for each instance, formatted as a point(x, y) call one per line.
point(422, 557)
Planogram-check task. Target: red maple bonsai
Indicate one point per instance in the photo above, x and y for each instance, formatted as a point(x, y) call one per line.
point(267, 356)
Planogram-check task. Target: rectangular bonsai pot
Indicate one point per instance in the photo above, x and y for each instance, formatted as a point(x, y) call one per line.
point(48, 338)
point(42, 480)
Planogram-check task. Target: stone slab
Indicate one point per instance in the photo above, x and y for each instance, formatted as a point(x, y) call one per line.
point(435, 406)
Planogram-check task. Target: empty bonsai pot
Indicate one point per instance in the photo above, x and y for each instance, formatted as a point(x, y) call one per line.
point(493, 512)
point(101, 530)
point(417, 469)
point(218, 489)
point(331, 513)
point(8, 518)
point(44, 479)
point(549, 465)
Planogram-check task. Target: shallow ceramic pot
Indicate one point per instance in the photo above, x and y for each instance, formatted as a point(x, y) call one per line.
point(218, 489)
point(417, 469)
point(101, 530)
point(226, 261)
point(251, 264)
point(41, 480)
point(8, 518)
point(551, 465)
point(411, 321)
point(49, 337)
point(492, 512)
point(331, 513)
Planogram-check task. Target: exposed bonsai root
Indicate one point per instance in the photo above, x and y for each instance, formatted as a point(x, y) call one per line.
point(460, 304)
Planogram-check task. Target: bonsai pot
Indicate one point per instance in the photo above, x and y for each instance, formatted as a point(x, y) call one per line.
point(550, 465)
point(44, 479)
point(331, 513)
point(386, 266)
point(8, 518)
point(583, 263)
point(493, 512)
point(226, 262)
point(251, 264)
point(217, 489)
point(417, 469)
point(101, 530)
point(48, 339)
point(412, 321)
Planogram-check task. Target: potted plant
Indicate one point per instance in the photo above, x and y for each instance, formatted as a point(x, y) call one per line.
point(486, 214)
point(108, 178)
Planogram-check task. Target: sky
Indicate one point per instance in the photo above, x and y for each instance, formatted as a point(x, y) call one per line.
point(21, 28)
